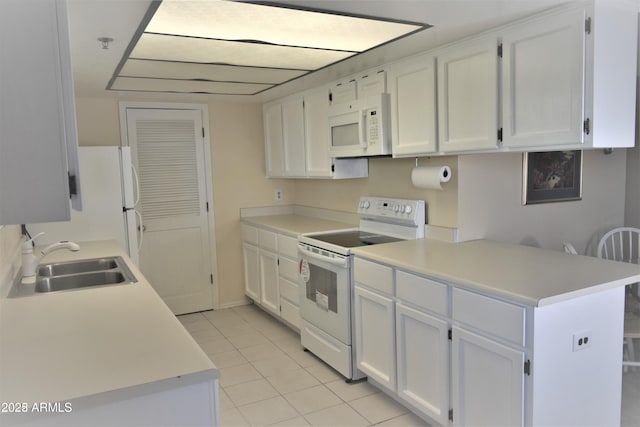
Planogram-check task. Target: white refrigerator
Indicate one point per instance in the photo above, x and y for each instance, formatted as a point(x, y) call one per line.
point(110, 194)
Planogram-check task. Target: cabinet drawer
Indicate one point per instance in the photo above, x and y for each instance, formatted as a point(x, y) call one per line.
point(496, 317)
point(267, 240)
point(422, 292)
point(373, 275)
point(249, 234)
point(288, 246)
point(288, 269)
point(289, 290)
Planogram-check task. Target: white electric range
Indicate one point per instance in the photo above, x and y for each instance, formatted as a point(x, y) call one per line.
point(326, 275)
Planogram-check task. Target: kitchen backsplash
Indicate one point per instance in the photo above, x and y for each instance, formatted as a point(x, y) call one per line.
point(10, 239)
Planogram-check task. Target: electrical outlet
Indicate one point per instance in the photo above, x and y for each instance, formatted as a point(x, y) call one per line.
point(279, 196)
point(581, 340)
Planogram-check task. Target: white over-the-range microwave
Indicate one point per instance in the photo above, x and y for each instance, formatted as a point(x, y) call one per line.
point(360, 128)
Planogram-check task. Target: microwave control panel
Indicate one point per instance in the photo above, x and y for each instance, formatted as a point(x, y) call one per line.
point(373, 126)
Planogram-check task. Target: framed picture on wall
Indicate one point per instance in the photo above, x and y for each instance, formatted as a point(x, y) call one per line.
point(552, 176)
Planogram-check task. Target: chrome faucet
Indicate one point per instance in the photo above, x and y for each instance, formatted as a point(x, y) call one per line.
point(30, 261)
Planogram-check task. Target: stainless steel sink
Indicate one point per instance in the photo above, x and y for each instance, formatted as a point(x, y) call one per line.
point(76, 281)
point(75, 267)
point(65, 276)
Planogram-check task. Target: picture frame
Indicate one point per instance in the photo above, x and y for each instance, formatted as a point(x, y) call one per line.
point(551, 176)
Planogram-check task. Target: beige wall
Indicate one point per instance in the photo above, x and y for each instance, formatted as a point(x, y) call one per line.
point(239, 181)
point(388, 177)
point(490, 202)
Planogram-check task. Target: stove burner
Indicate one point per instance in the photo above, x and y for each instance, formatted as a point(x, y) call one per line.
point(353, 238)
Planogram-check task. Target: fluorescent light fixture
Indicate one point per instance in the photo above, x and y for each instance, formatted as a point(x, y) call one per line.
point(257, 44)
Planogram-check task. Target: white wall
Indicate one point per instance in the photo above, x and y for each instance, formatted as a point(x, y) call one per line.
point(490, 202)
point(632, 208)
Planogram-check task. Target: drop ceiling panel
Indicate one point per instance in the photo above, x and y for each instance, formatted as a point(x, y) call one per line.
point(186, 86)
point(237, 47)
point(187, 49)
point(220, 73)
point(246, 21)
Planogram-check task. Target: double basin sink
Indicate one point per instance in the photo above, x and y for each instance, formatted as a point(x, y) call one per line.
point(80, 274)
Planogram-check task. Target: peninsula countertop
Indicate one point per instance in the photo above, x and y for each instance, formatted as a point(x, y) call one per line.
point(530, 276)
point(67, 345)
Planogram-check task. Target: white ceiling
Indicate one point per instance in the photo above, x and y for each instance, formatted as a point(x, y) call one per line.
point(119, 19)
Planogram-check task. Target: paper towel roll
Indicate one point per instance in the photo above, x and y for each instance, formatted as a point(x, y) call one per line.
point(430, 176)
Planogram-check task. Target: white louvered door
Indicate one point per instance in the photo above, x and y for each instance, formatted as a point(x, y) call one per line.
point(168, 151)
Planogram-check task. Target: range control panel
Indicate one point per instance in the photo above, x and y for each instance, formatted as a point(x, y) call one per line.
point(381, 208)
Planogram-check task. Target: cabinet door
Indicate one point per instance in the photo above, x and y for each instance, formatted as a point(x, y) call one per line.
point(468, 96)
point(371, 84)
point(38, 139)
point(423, 362)
point(343, 92)
point(274, 140)
point(488, 381)
point(269, 292)
point(543, 81)
point(412, 86)
point(375, 336)
point(293, 137)
point(316, 130)
point(251, 271)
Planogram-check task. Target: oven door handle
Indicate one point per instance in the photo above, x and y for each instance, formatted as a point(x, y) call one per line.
point(340, 262)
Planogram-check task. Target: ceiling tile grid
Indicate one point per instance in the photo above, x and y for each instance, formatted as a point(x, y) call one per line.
point(232, 47)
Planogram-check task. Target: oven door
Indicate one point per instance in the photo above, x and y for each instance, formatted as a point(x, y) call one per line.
point(325, 291)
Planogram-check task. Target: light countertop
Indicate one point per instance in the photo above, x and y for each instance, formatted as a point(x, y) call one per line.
point(66, 345)
point(296, 224)
point(523, 274)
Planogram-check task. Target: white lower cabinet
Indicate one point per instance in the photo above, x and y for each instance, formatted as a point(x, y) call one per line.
point(271, 272)
point(411, 339)
point(375, 336)
point(269, 292)
point(422, 347)
point(487, 381)
point(251, 271)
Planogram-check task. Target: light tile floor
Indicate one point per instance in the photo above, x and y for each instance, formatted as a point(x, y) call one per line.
point(267, 378)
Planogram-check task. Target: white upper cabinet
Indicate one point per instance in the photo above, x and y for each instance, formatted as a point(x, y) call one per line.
point(343, 92)
point(274, 140)
point(316, 129)
point(38, 136)
point(412, 88)
point(297, 139)
point(543, 81)
point(294, 137)
point(468, 95)
point(370, 83)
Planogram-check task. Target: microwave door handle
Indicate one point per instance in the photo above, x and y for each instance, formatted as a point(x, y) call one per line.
point(362, 129)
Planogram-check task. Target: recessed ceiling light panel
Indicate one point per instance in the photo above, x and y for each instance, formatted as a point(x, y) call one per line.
point(203, 45)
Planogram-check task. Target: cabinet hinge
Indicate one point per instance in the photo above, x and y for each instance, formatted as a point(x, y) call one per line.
point(527, 367)
point(587, 25)
point(450, 414)
point(211, 278)
point(500, 134)
point(450, 336)
point(73, 185)
point(500, 50)
point(587, 126)
point(333, 168)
